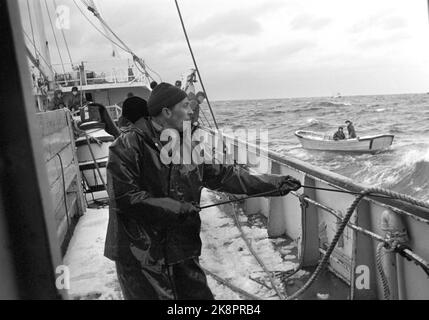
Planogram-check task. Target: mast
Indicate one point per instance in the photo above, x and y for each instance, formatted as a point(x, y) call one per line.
point(41, 40)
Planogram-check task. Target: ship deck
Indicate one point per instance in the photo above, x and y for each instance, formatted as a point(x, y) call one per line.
point(224, 253)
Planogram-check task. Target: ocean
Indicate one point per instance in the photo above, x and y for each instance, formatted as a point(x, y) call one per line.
point(404, 168)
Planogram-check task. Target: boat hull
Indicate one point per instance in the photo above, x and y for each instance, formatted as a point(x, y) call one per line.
point(371, 144)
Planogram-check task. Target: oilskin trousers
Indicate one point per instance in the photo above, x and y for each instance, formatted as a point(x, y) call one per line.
point(182, 281)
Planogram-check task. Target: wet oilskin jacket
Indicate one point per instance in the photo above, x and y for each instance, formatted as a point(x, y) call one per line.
point(139, 228)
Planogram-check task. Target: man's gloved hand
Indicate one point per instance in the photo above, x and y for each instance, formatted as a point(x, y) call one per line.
point(181, 209)
point(288, 184)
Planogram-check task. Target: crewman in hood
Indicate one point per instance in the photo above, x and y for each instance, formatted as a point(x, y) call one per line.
point(154, 225)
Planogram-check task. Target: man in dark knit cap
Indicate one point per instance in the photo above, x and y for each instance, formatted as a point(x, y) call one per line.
point(133, 109)
point(154, 225)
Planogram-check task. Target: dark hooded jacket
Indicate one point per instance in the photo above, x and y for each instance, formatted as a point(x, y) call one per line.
point(139, 225)
point(352, 131)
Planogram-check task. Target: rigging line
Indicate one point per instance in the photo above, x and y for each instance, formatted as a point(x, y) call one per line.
point(205, 117)
point(195, 62)
point(156, 73)
point(124, 45)
point(63, 33)
point(32, 30)
point(55, 37)
point(104, 23)
point(40, 54)
point(98, 29)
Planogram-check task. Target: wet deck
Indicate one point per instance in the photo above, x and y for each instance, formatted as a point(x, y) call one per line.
point(224, 253)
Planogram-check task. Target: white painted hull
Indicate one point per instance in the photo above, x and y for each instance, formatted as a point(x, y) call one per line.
point(100, 142)
point(314, 141)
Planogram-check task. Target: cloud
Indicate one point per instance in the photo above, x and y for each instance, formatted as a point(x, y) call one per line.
point(228, 24)
point(380, 21)
point(309, 22)
point(383, 41)
point(291, 48)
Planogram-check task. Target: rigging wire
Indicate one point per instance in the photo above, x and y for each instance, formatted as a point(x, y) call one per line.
point(32, 30)
point(98, 29)
point(205, 117)
point(122, 45)
point(55, 37)
point(195, 63)
point(64, 36)
point(40, 54)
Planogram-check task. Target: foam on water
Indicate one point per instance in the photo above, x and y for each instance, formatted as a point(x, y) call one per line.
point(404, 168)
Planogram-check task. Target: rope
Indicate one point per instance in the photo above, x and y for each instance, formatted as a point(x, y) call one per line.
point(122, 44)
point(195, 63)
point(32, 30)
point(64, 36)
point(96, 28)
point(55, 37)
point(231, 286)
point(258, 259)
point(205, 117)
point(342, 227)
point(380, 270)
point(40, 55)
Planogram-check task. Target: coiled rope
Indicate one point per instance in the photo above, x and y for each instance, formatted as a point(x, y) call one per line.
point(322, 265)
point(380, 270)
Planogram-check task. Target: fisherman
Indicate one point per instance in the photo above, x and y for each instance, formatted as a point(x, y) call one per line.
point(195, 102)
point(76, 101)
point(58, 101)
point(339, 135)
point(154, 225)
point(351, 130)
point(153, 84)
point(133, 109)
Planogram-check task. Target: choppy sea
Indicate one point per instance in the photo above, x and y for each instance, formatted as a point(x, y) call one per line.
point(403, 168)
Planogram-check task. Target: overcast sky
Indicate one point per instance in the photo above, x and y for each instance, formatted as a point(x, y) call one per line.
point(268, 48)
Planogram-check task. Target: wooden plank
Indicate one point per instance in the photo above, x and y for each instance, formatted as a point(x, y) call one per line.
point(57, 192)
point(55, 142)
point(60, 211)
point(54, 168)
point(51, 122)
point(62, 224)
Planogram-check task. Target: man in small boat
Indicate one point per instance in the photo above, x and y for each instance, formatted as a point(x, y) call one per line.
point(351, 130)
point(76, 101)
point(154, 224)
point(339, 135)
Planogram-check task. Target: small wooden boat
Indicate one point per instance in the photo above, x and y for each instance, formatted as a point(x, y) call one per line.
point(319, 141)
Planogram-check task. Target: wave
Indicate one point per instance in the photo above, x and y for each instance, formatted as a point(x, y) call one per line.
point(408, 176)
point(331, 104)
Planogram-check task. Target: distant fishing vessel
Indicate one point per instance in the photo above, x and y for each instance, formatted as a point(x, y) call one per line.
point(318, 141)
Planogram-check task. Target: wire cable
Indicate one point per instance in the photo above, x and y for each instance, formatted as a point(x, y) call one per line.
point(55, 37)
point(64, 36)
point(40, 55)
point(195, 62)
point(32, 30)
